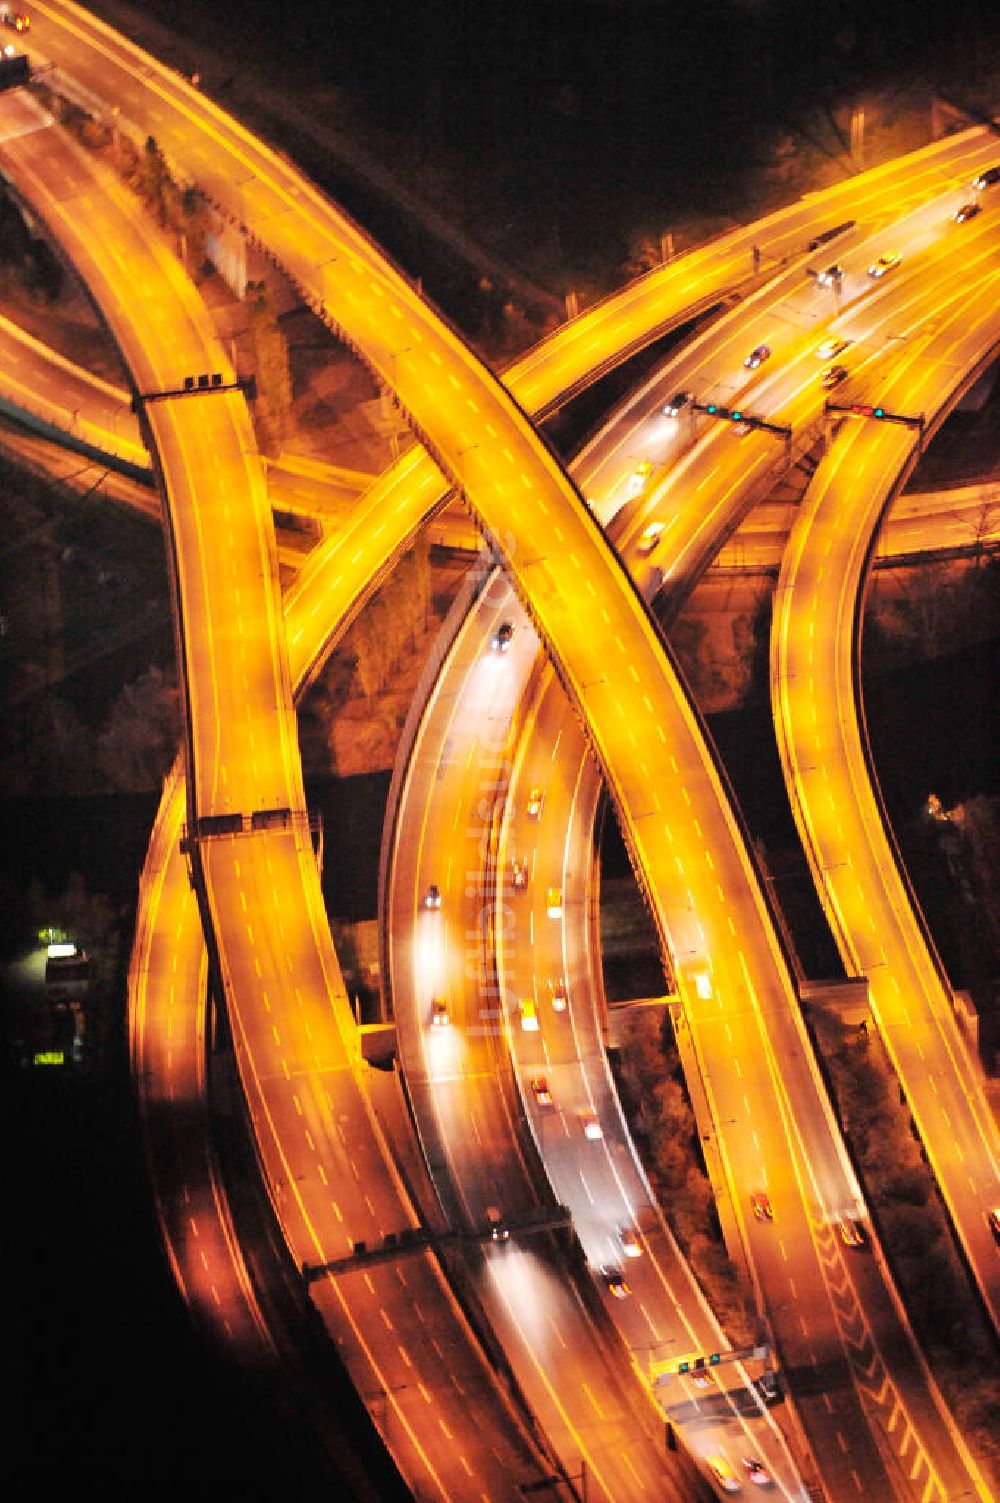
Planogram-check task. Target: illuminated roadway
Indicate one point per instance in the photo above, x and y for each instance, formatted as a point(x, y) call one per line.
point(458, 1076)
point(211, 601)
point(963, 521)
point(39, 382)
point(586, 540)
point(833, 788)
point(310, 1116)
point(77, 404)
point(522, 916)
point(315, 501)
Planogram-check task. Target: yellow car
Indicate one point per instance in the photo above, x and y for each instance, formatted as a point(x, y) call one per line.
point(553, 904)
point(529, 1015)
point(723, 1474)
point(885, 263)
point(639, 476)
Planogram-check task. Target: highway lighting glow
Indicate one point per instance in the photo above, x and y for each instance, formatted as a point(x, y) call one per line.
point(430, 953)
point(529, 1289)
point(703, 983)
point(451, 1034)
point(600, 1237)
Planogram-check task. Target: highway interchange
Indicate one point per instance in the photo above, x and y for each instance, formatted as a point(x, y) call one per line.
point(874, 1425)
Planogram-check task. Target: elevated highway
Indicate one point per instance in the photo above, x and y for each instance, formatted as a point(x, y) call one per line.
point(833, 786)
point(474, 477)
point(470, 739)
point(303, 1085)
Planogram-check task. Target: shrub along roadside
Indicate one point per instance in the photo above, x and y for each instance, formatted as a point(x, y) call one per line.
point(651, 1082)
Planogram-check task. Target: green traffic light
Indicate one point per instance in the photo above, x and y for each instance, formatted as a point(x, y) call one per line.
point(714, 1358)
point(711, 407)
point(736, 416)
point(880, 412)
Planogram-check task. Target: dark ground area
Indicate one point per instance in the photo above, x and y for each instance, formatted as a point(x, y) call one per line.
point(114, 1396)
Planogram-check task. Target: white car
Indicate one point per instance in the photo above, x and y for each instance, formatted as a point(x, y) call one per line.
point(529, 1015)
point(553, 903)
point(831, 347)
point(650, 536)
point(591, 1127)
point(440, 1017)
